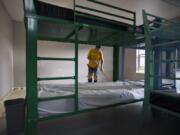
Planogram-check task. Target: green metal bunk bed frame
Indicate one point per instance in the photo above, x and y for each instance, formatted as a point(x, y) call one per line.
point(32, 21)
point(160, 34)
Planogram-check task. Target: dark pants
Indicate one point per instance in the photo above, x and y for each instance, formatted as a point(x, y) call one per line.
point(92, 72)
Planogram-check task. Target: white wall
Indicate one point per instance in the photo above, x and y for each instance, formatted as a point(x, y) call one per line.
point(6, 52)
point(130, 66)
point(54, 49)
point(19, 54)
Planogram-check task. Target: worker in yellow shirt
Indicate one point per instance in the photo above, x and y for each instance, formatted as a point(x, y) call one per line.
point(95, 57)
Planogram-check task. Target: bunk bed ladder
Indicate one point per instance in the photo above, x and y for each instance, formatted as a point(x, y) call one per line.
point(32, 99)
point(32, 79)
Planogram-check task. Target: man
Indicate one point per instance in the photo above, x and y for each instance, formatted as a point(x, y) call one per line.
point(95, 57)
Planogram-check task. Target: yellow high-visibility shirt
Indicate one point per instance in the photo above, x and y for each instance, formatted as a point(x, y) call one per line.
point(95, 57)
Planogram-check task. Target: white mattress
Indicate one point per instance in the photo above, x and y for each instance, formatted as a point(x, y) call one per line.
point(90, 95)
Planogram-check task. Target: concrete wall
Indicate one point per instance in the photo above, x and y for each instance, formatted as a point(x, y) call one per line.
point(54, 49)
point(6, 52)
point(130, 66)
point(19, 54)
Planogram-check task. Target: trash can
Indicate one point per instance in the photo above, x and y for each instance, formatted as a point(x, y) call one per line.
point(15, 115)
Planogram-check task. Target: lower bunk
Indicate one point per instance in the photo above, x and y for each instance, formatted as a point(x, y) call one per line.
point(167, 101)
point(91, 97)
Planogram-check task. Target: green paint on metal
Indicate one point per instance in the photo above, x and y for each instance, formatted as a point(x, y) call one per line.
point(56, 78)
point(115, 63)
point(76, 65)
point(50, 19)
point(148, 67)
point(72, 33)
point(31, 77)
point(134, 22)
point(171, 43)
point(56, 59)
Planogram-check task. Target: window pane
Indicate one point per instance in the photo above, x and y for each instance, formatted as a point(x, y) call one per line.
point(140, 61)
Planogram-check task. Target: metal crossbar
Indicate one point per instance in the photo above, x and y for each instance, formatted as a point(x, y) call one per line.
point(56, 78)
point(171, 43)
point(56, 59)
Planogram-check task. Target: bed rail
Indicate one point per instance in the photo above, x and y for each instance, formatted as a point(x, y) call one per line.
point(129, 20)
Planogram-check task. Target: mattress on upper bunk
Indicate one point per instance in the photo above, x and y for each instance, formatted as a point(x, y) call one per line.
point(167, 99)
point(90, 96)
point(46, 9)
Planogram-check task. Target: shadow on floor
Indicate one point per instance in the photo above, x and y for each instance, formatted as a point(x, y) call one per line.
point(123, 120)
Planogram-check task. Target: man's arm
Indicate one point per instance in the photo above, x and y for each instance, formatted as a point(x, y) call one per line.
point(102, 61)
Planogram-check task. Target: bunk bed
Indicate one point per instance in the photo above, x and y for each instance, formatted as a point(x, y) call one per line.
point(162, 59)
point(48, 22)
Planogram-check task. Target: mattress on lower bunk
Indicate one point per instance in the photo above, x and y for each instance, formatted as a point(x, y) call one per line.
point(90, 96)
point(167, 99)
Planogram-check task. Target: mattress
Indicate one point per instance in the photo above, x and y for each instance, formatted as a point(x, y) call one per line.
point(90, 96)
point(166, 99)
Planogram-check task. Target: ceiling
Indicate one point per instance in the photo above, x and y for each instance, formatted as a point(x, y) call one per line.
point(165, 8)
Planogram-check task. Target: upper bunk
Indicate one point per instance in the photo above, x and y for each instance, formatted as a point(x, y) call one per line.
point(164, 33)
point(57, 23)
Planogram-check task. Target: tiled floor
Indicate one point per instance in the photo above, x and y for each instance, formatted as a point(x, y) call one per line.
point(12, 95)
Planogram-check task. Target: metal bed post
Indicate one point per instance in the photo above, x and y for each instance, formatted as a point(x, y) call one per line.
point(31, 73)
point(134, 22)
point(149, 62)
point(76, 67)
point(168, 56)
point(157, 68)
point(76, 58)
point(122, 62)
point(160, 81)
point(31, 69)
point(115, 63)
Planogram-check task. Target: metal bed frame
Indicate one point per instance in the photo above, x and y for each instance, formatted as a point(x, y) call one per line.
point(32, 23)
point(160, 35)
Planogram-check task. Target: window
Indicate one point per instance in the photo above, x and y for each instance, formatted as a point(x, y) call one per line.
point(140, 61)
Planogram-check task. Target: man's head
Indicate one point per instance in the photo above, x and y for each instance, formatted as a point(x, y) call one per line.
point(98, 47)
